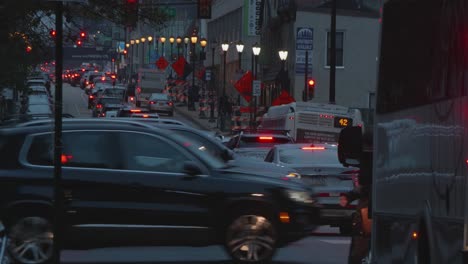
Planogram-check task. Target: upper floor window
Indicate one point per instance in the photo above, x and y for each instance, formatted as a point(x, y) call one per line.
point(339, 49)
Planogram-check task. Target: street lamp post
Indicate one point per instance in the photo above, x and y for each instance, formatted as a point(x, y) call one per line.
point(186, 42)
point(171, 41)
point(143, 40)
point(212, 102)
point(203, 43)
point(163, 40)
point(150, 42)
point(127, 61)
point(132, 43)
point(239, 48)
point(137, 42)
point(223, 102)
point(255, 51)
point(283, 54)
point(178, 41)
point(191, 103)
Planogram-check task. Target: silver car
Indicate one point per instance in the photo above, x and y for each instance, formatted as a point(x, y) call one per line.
point(161, 103)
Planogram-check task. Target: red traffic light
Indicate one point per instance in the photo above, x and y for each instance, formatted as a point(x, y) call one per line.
point(82, 34)
point(28, 49)
point(53, 33)
point(311, 82)
point(125, 52)
point(79, 43)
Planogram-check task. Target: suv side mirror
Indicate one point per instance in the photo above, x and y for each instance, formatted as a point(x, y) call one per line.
point(191, 168)
point(350, 146)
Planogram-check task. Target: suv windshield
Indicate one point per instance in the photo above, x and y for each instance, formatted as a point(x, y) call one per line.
point(200, 150)
point(309, 157)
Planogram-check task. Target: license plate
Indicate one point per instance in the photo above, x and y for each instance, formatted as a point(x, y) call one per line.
point(161, 103)
point(316, 181)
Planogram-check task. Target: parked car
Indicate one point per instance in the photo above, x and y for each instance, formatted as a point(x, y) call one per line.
point(141, 186)
point(320, 168)
point(161, 103)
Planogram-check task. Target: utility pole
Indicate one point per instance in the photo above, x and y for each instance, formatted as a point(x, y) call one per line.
point(58, 191)
point(332, 53)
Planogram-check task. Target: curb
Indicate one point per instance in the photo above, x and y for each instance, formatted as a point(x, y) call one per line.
point(200, 124)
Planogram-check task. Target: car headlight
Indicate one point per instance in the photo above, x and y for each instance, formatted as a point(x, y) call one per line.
point(300, 196)
point(294, 175)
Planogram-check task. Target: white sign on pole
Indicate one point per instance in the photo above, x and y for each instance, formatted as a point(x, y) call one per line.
point(208, 75)
point(256, 88)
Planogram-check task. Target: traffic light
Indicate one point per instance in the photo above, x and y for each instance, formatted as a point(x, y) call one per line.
point(125, 52)
point(28, 49)
point(131, 12)
point(79, 43)
point(311, 86)
point(53, 33)
point(83, 34)
point(310, 93)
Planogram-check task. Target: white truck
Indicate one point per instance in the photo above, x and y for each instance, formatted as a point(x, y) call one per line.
point(149, 81)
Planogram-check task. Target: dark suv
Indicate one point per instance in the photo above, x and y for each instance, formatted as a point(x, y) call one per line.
point(129, 184)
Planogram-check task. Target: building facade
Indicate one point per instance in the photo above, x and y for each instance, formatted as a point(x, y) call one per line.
point(284, 24)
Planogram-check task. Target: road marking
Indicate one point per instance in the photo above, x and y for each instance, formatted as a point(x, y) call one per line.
point(336, 242)
point(77, 110)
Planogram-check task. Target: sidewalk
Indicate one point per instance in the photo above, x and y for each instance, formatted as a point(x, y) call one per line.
point(193, 116)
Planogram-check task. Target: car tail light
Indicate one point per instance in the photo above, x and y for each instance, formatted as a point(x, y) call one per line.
point(91, 97)
point(65, 158)
point(87, 82)
point(145, 116)
point(135, 110)
point(113, 76)
point(151, 102)
point(265, 138)
point(170, 103)
point(103, 78)
point(99, 106)
point(313, 148)
point(132, 98)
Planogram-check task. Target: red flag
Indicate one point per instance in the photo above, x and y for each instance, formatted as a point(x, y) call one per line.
point(162, 63)
point(244, 86)
point(179, 66)
point(283, 98)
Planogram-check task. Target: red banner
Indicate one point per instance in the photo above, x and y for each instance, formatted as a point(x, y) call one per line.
point(162, 63)
point(283, 98)
point(244, 86)
point(179, 66)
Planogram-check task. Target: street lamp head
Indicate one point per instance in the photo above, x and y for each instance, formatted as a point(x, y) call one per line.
point(127, 45)
point(179, 40)
point(186, 40)
point(132, 41)
point(171, 39)
point(240, 47)
point(150, 38)
point(283, 54)
point(194, 38)
point(256, 49)
point(225, 46)
point(143, 39)
point(137, 41)
point(162, 39)
point(203, 42)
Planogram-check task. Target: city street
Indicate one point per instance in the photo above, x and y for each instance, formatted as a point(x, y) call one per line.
point(323, 247)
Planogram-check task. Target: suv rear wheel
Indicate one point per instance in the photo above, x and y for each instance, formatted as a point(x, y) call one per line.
point(31, 240)
point(251, 238)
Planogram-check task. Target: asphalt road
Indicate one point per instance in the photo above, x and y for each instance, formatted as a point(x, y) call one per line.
point(323, 247)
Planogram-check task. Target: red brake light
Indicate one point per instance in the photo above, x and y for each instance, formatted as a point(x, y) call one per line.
point(135, 110)
point(131, 98)
point(87, 82)
point(103, 78)
point(313, 148)
point(99, 106)
point(91, 97)
point(113, 76)
point(65, 158)
point(95, 70)
point(170, 103)
point(83, 70)
point(151, 102)
point(265, 138)
point(145, 116)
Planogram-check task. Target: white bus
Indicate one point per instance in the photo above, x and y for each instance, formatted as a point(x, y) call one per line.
point(311, 122)
point(420, 174)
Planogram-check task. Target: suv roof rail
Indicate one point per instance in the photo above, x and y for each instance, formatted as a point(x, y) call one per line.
point(261, 130)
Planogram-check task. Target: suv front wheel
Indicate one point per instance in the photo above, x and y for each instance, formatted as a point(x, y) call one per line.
point(31, 240)
point(251, 238)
